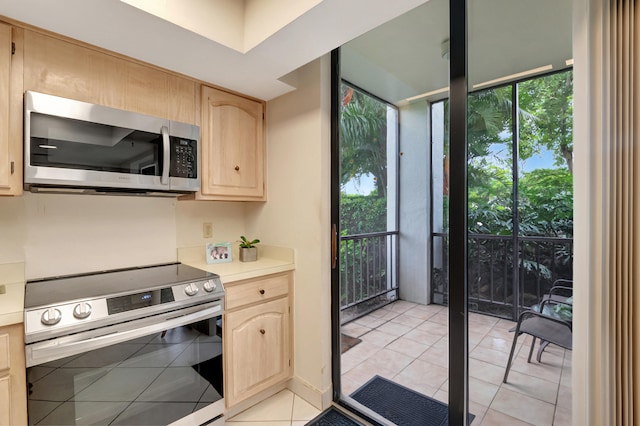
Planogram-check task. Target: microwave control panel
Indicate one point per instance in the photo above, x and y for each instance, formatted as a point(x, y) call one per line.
point(184, 158)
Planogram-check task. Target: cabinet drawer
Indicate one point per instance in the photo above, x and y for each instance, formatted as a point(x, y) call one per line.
point(248, 292)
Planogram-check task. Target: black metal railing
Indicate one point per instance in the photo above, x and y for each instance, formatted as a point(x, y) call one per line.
point(368, 272)
point(494, 288)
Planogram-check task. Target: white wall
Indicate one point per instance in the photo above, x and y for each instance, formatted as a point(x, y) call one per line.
point(298, 215)
point(227, 219)
point(414, 261)
point(58, 234)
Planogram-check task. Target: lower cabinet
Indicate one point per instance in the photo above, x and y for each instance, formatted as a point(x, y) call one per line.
point(13, 394)
point(257, 339)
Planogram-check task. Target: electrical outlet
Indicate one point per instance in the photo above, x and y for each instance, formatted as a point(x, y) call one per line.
point(207, 230)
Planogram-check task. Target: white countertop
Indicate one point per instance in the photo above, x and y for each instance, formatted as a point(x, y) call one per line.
point(271, 260)
point(11, 293)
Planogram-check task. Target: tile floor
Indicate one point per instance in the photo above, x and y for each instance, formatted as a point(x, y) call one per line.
point(407, 343)
point(282, 409)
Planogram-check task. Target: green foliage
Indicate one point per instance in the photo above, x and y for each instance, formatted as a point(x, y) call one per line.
point(546, 200)
point(244, 243)
point(545, 195)
point(363, 138)
point(549, 122)
point(361, 214)
point(545, 203)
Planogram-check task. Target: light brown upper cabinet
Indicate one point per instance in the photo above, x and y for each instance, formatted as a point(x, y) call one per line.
point(10, 110)
point(77, 71)
point(233, 148)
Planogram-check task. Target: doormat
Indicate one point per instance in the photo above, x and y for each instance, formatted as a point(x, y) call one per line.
point(401, 405)
point(333, 416)
point(347, 342)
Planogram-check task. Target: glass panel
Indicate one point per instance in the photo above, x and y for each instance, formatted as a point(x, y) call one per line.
point(545, 183)
point(74, 144)
point(368, 150)
point(155, 379)
point(490, 192)
point(391, 76)
point(519, 140)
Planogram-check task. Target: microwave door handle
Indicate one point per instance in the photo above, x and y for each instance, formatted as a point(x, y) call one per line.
point(166, 160)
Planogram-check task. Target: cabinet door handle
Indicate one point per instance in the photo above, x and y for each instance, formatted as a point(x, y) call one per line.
point(262, 331)
point(237, 168)
point(261, 291)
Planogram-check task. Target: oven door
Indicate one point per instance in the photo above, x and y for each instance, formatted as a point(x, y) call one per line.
point(158, 370)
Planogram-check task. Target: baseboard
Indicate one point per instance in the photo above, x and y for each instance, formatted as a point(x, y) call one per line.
point(255, 399)
point(320, 400)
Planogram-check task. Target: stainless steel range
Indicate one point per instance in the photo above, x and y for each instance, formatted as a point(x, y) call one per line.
point(129, 346)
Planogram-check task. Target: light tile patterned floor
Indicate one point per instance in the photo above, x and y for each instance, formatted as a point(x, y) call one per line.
point(408, 343)
point(411, 348)
point(282, 409)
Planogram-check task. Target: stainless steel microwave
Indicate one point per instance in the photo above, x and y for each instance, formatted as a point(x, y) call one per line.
point(81, 147)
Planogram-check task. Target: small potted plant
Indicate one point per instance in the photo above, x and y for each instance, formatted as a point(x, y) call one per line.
point(248, 249)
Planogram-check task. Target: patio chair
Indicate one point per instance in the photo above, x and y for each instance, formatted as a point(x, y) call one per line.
point(561, 290)
point(545, 324)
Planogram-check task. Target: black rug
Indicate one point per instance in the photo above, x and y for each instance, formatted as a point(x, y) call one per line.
point(402, 405)
point(332, 417)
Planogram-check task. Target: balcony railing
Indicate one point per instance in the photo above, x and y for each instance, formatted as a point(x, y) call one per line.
point(368, 268)
point(368, 272)
point(493, 286)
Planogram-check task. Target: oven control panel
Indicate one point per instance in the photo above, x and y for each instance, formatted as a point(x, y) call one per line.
point(65, 315)
point(85, 313)
point(210, 288)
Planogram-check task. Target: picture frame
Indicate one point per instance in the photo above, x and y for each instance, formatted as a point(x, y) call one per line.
point(218, 253)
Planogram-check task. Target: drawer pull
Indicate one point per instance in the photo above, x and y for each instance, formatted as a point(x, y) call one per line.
point(262, 331)
point(261, 291)
point(237, 168)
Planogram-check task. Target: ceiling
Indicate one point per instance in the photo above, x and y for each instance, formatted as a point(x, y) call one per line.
point(258, 42)
point(390, 48)
point(403, 58)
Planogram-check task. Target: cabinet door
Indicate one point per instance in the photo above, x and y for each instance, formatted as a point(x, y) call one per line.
point(232, 147)
point(66, 69)
point(13, 395)
point(10, 123)
point(257, 352)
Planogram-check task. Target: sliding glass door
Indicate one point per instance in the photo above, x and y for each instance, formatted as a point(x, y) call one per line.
point(427, 282)
point(391, 357)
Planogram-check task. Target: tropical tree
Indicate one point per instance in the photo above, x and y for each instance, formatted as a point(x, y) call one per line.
point(363, 135)
point(549, 124)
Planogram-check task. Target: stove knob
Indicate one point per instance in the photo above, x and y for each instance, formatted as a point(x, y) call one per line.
point(191, 289)
point(82, 310)
point(210, 285)
point(51, 316)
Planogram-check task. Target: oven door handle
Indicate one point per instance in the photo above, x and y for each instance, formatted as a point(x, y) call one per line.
point(50, 350)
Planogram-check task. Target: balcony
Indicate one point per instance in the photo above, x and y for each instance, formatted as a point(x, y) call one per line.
point(407, 343)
